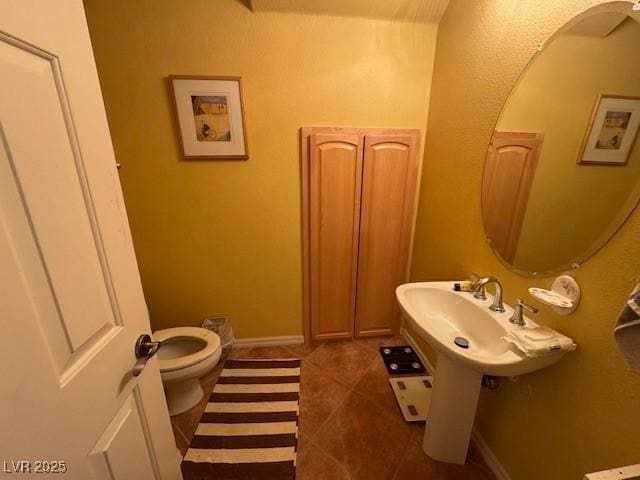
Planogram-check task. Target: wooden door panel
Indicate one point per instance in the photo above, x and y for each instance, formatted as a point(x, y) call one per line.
point(390, 168)
point(334, 200)
point(506, 184)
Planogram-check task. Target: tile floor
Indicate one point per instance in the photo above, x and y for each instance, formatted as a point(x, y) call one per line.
point(350, 425)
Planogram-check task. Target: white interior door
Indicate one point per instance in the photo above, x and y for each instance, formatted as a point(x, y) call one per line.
point(71, 303)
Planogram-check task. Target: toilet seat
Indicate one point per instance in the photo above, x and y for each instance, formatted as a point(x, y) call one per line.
point(212, 345)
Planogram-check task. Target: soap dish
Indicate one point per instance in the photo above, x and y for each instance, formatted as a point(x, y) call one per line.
point(551, 298)
point(563, 297)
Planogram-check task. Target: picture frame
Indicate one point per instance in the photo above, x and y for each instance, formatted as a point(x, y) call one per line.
point(612, 131)
point(210, 116)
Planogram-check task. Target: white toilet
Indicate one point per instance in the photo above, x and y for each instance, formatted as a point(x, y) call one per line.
point(186, 354)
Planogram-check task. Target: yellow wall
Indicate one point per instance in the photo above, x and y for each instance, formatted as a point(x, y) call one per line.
point(582, 414)
point(224, 237)
point(556, 96)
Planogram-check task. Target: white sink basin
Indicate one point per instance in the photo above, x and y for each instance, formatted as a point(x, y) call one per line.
point(440, 314)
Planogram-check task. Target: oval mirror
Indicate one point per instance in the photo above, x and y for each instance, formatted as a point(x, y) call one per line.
point(562, 170)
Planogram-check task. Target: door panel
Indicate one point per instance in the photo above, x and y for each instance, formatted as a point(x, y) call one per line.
point(390, 168)
point(335, 184)
point(70, 293)
point(122, 452)
point(59, 210)
point(509, 172)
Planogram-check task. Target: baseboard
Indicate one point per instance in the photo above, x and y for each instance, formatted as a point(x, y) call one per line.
point(269, 341)
point(487, 455)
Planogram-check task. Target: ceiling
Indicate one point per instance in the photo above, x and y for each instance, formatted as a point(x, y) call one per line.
point(400, 10)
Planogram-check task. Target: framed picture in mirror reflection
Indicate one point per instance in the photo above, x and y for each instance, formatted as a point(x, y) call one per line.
point(612, 131)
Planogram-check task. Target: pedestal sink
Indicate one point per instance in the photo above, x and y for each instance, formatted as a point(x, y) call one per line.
point(441, 315)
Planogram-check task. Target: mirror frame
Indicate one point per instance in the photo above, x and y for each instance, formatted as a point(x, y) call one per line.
point(620, 6)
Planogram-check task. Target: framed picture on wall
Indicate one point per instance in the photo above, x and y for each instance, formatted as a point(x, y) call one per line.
point(210, 113)
point(612, 131)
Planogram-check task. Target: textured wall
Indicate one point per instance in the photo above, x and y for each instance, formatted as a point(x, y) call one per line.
point(567, 197)
point(581, 414)
point(224, 237)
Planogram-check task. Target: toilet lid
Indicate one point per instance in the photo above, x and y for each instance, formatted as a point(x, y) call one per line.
point(211, 339)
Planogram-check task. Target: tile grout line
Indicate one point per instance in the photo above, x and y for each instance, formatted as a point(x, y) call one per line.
point(349, 392)
point(409, 440)
point(351, 389)
point(328, 454)
point(330, 416)
point(184, 437)
point(311, 440)
point(333, 378)
point(404, 455)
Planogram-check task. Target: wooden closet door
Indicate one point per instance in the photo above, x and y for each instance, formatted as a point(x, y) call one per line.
point(506, 184)
point(389, 181)
point(334, 201)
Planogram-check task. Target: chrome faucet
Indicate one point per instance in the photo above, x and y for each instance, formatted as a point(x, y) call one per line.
point(479, 288)
point(517, 318)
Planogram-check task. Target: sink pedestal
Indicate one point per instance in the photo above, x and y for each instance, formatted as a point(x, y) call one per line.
point(452, 410)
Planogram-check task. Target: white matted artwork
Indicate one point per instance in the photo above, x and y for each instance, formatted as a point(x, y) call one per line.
point(612, 131)
point(210, 113)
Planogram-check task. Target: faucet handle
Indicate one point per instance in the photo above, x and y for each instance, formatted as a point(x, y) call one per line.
point(520, 303)
point(479, 289)
point(517, 318)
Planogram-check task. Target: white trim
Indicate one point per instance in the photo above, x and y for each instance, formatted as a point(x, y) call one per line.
point(487, 455)
point(269, 341)
point(621, 473)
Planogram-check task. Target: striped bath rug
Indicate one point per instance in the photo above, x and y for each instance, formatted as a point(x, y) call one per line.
point(249, 427)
